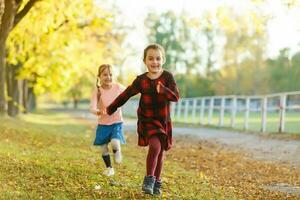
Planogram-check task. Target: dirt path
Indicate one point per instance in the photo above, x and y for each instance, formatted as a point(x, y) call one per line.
point(256, 146)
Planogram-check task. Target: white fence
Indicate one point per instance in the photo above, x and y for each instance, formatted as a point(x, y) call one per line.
point(268, 113)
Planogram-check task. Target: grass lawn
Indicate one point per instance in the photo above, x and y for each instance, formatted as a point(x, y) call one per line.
point(292, 121)
point(49, 155)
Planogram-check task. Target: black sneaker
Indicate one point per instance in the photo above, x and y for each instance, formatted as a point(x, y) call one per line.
point(157, 188)
point(148, 184)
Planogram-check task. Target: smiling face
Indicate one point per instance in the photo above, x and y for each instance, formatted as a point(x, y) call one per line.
point(106, 77)
point(154, 61)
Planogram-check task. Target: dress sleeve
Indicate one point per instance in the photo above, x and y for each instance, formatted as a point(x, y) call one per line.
point(170, 91)
point(130, 91)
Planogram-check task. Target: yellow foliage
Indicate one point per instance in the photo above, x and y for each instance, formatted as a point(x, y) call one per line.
point(226, 22)
point(60, 42)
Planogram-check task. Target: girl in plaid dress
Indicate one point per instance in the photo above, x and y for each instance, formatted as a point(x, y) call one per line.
point(109, 128)
point(157, 88)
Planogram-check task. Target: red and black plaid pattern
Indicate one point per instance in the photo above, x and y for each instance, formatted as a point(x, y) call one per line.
point(154, 108)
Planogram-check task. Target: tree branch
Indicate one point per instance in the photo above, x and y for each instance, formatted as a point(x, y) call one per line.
point(18, 4)
point(24, 11)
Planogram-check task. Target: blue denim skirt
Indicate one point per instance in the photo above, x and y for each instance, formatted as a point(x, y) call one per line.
point(104, 133)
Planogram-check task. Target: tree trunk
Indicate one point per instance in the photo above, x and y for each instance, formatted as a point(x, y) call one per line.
point(31, 100)
point(75, 101)
point(12, 91)
point(6, 25)
point(2, 81)
point(210, 51)
point(9, 90)
point(1, 10)
point(25, 95)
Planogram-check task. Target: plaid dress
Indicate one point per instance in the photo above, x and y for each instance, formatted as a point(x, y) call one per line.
point(154, 108)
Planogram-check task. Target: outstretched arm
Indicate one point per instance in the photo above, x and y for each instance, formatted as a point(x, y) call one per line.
point(130, 91)
point(93, 103)
point(94, 108)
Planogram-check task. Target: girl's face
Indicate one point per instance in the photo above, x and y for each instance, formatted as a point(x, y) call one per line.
point(154, 61)
point(106, 78)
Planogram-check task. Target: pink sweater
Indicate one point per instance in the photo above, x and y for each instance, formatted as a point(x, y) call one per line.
point(107, 97)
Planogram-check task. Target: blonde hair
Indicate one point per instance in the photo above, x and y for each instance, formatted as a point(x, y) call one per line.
point(156, 47)
point(100, 71)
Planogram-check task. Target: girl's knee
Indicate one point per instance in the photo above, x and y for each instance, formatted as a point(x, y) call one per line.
point(155, 148)
point(115, 143)
point(154, 143)
point(105, 149)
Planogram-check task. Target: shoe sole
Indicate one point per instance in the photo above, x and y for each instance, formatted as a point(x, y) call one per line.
point(148, 191)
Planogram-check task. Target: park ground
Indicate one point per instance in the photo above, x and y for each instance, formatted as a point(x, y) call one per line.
point(49, 155)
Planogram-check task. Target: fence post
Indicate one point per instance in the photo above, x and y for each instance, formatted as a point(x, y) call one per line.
point(221, 118)
point(233, 111)
point(211, 109)
point(194, 109)
point(186, 109)
point(202, 109)
point(264, 109)
point(247, 110)
point(282, 107)
point(178, 110)
point(173, 104)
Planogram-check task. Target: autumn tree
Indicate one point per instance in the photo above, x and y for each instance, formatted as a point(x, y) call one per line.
point(172, 32)
point(14, 12)
point(52, 52)
point(244, 52)
point(284, 71)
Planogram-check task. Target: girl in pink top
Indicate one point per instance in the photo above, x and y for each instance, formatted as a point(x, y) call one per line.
point(109, 128)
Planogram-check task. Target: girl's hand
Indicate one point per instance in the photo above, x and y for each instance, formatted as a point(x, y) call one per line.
point(101, 112)
point(158, 86)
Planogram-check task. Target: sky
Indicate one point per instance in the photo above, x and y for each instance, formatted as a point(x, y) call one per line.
point(283, 28)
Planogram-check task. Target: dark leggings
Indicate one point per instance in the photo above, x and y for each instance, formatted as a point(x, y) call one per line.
point(155, 157)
